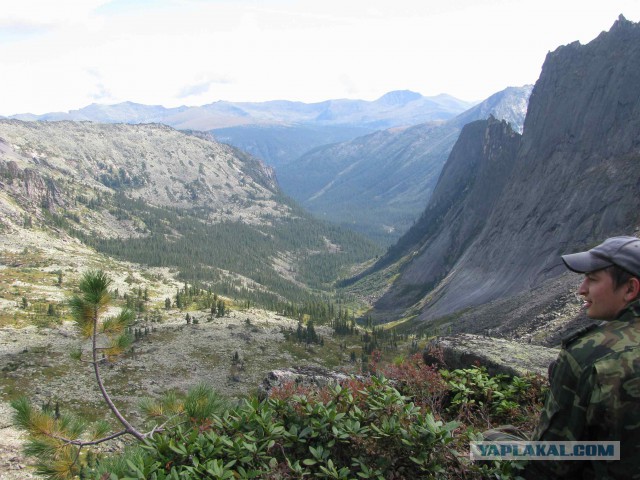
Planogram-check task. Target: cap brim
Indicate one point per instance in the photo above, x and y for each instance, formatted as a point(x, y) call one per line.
point(584, 262)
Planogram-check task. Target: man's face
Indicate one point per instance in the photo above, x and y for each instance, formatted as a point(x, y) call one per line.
point(602, 301)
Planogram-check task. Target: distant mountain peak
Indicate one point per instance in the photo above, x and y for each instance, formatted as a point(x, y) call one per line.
point(399, 97)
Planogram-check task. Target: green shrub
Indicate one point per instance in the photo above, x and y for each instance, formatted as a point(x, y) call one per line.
point(379, 434)
point(365, 428)
point(480, 398)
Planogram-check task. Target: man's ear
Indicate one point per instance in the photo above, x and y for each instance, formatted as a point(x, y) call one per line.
point(633, 289)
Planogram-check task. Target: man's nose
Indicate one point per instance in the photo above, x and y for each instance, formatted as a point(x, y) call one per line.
point(582, 290)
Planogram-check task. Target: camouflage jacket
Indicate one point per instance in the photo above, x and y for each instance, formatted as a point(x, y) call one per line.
point(595, 395)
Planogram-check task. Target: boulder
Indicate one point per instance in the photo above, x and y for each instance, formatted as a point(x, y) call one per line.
point(307, 375)
point(498, 355)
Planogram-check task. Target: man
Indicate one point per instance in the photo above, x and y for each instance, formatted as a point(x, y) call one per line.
point(595, 383)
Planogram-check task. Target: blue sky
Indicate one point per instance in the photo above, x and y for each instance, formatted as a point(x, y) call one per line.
point(63, 55)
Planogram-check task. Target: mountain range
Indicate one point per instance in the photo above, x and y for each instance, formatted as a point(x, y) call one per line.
point(336, 156)
point(504, 197)
point(378, 184)
point(392, 109)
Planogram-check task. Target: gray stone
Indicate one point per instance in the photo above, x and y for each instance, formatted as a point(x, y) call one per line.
point(499, 356)
point(307, 375)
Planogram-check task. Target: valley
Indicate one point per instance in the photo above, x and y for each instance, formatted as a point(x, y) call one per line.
point(164, 214)
point(232, 352)
point(230, 278)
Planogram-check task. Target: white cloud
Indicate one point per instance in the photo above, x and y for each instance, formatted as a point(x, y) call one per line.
point(66, 54)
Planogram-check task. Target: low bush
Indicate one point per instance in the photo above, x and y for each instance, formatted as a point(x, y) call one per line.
point(484, 401)
point(366, 428)
point(380, 434)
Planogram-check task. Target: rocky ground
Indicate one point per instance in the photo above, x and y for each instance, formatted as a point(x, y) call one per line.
point(173, 355)
point(542, 316)
point(13, 464)
point(34, 354)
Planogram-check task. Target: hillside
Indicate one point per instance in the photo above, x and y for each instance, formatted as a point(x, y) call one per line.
point(186, 228)
point(378, 184)
point(154, 163)
point(279, 145)
point(572, 182)
point(153, 195)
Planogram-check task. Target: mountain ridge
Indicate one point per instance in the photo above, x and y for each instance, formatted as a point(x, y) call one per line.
point(406, 108)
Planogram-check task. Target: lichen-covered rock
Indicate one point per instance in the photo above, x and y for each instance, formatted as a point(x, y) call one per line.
point(308, 375)
point(496, 354)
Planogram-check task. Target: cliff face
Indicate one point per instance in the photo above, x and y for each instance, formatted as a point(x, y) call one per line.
point(471, 183)
point(573, 182)
point(30, 186)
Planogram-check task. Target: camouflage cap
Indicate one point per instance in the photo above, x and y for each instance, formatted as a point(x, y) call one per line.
point(621, 251)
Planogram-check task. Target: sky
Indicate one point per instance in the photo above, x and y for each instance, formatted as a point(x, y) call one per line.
point(66, 54)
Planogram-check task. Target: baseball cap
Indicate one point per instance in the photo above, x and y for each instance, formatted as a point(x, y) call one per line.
point(621, 251)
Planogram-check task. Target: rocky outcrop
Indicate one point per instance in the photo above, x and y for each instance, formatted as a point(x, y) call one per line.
point(498, 355)
point(307, 376)
point(34, 188)
point(574, 181)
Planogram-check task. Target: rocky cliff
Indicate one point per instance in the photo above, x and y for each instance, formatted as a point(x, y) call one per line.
point(573, 181)
point(470, 185)
point(30, 186)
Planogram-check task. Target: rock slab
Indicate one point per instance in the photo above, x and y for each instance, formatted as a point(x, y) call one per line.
point(498, 355)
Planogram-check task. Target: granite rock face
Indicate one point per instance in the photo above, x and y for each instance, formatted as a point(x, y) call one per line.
point(573, 182)
point(470, 185)
point(32, 187)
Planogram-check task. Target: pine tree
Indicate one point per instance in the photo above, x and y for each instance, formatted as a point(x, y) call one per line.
point(221, 308)
point(56, 439)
